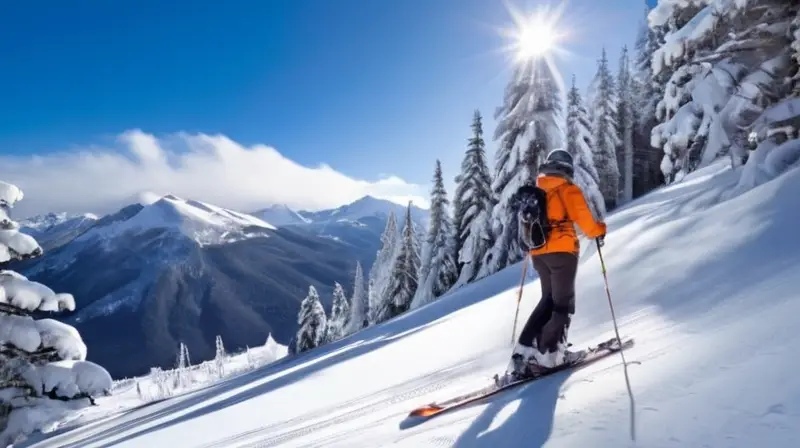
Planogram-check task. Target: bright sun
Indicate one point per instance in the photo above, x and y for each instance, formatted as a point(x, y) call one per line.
point(535, 40)
point(536, 34)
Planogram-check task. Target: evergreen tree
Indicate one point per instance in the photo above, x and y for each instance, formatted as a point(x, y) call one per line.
point(220, 348)
point(529, 127)
point(472, 205)
point(625, 125)
point(648, 92)
point(726, 63)
point(340, 312)
point(382, 267)
point(580, 144)
point(602, 99)
point(44, 373)
point(404, 280)
point(795, 29)
point(312, 321)
point(438, 270)
point(219, 356)
point(359, 304)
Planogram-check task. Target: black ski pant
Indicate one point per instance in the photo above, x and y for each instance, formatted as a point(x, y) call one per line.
point(549, 322)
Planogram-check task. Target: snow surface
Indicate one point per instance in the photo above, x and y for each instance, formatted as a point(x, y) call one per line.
point(10, 194)
point(49, 220)
point(131, 393)
point(281, 215)
point(203, 222)
point(706, 286)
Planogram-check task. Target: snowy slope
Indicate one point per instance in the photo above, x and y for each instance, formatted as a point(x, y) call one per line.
point(707, 285)
point(281, 215)
point(204, 223)
point(55, 229)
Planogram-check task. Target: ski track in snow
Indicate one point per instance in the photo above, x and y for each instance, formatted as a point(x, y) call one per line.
point(706, 285)
point(358, 407)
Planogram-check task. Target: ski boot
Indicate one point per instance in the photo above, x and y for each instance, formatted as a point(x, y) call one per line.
point(518, 366)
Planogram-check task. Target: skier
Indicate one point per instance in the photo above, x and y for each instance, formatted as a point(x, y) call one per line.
point(543, 341)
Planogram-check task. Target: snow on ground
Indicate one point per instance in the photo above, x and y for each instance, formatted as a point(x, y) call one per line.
point(139, 392)
point(203, 222)
point(707, 287)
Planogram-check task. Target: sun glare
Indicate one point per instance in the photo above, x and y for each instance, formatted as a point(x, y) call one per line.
point(535, 40)
point(536, 34)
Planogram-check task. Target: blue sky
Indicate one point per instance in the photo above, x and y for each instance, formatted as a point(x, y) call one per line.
point(367, 87)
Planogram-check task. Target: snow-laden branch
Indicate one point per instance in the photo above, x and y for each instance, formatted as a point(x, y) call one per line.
point(29, 295)
point(43, 369)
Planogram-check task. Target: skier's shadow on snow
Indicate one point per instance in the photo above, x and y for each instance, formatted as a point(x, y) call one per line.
point(524, 416)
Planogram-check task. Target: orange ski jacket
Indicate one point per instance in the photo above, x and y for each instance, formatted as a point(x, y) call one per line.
point(566, 206)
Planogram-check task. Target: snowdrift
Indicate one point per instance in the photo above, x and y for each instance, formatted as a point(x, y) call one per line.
point(706, 284)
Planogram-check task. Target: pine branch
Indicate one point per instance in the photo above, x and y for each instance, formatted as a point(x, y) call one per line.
point(13, 310)
point(40, 356)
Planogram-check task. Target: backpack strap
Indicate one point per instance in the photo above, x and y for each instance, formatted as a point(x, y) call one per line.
point(557, 192)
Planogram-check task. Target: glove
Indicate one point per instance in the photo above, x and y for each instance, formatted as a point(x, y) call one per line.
point(601, 240)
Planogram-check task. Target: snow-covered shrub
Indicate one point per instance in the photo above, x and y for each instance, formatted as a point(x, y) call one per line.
point(778, 145)
point(162, 384)
point(43, 369)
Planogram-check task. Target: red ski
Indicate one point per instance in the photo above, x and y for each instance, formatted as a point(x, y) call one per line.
point(590, 355)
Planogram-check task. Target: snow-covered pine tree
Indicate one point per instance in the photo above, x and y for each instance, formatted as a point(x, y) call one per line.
point(649, 90)
point(43, 369)
point(181, 375)
point(220, 348)
point(625, 125)
point(729, 62)
point(312, 321)
point(382, 268)
point(472, 205)
point(340, 312)
point(438, 270)
point(405, 276)
point(796, 53)
point(602, 100)
point(219, 356)
point(684, 124)
point(530, 126)
point(359, 304)
point(580, 144)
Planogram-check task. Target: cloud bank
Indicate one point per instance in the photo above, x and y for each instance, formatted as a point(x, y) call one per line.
point(207, 168)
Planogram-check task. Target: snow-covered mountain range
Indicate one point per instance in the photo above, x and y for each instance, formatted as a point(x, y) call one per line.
point(368, 206)
point(155, 274)
point(56, 229)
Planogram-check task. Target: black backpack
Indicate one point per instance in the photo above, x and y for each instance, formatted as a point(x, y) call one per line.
point(534, 225)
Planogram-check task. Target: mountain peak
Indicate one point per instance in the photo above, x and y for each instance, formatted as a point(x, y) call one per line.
point(281, 215)
point(368, 206)
point(203, 222)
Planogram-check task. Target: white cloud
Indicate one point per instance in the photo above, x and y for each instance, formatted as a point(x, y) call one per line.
point(208, 168)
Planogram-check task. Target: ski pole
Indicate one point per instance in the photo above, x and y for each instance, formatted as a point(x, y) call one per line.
point(619, 340)
point(519, 295)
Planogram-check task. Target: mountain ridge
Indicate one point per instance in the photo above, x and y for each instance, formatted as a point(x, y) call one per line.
point(157, 273)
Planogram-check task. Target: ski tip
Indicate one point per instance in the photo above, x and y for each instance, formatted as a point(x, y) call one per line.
point(425, 411)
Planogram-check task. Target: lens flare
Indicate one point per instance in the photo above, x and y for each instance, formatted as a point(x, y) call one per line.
point(537, 34)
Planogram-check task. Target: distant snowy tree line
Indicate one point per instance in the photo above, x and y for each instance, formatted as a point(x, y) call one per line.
point(704, 80)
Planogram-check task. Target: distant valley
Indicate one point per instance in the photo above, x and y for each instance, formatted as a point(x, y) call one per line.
point(176, 270)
